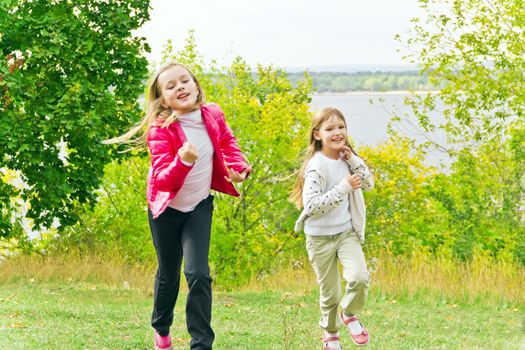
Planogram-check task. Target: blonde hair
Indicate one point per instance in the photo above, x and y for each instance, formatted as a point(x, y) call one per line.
point(296, 196)
point(155, 110)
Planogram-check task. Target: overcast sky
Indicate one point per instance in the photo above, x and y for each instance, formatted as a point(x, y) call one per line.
point(293, 33)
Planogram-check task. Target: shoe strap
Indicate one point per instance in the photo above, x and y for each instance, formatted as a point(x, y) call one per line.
point(350, 319)
point(331, 338)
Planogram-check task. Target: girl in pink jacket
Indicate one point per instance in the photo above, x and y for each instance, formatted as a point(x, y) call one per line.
point(192, 152)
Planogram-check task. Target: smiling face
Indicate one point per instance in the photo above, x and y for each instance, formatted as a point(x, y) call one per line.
point(178, 89)
point(333, 136)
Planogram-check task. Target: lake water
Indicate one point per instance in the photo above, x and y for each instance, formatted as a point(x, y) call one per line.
point(368, 115)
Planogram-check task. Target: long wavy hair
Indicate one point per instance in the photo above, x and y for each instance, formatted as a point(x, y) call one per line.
point(296, 195)
point(155, 112)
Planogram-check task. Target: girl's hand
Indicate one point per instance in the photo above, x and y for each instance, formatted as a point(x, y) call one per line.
point(188, 152)
point(234, 176)
point(354, 181)
point(345, 153)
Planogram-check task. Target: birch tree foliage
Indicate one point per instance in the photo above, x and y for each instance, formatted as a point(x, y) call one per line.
point(473, 49)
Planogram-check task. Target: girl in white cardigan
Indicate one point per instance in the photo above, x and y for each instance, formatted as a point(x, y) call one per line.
point(329, 189)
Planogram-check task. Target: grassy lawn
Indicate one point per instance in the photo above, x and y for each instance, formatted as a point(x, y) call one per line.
point(37, 315)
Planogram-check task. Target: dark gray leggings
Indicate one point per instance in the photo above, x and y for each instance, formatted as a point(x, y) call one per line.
point(176, 235)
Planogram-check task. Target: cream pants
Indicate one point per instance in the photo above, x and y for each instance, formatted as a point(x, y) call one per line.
point(324, 253)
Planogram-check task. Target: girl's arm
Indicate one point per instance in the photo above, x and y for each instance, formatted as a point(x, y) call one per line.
point(358, 166)
point(317, 202)
point(169, 172)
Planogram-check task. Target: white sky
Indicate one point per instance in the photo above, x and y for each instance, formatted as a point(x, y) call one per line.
point(291, 33)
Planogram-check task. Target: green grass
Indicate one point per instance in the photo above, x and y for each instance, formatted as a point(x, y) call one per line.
point(36, 315)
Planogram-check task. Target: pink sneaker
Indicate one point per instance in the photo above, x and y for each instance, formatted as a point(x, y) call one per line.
point(359, 339)
point(162, 342)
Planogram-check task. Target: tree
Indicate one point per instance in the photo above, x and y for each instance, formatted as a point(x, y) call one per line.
point(473, 49)
point(70, 76)
point(401, 215)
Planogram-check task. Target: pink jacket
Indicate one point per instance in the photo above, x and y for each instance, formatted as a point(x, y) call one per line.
point(167, 173)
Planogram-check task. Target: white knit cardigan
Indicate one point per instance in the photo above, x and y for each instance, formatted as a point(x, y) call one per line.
point(318, 198)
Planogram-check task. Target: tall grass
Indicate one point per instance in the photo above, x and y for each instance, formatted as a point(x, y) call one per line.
point(75, 268)
point(419, 274)
point(422, 274)
point(499, 279)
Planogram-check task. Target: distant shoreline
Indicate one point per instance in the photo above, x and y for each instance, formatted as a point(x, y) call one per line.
point(370, 93)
